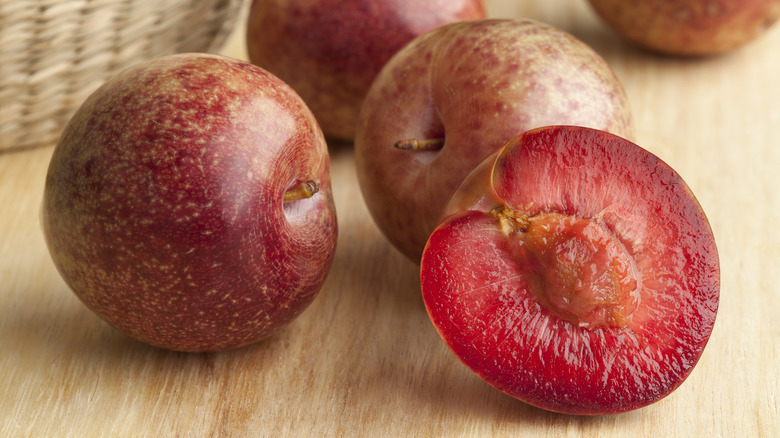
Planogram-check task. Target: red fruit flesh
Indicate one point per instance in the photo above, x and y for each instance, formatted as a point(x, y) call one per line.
point(583, 278)
point(575, 267)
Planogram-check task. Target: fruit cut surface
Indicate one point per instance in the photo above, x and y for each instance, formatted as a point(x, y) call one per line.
point(587, 283)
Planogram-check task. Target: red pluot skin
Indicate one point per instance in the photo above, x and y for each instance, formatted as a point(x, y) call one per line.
point(575, 271)
point(164, 207)
point(689, 27)
point(330, 51)
point(476, 85)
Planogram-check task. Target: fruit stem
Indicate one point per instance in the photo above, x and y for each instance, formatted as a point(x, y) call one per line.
point(304, 190)
point(415, 144)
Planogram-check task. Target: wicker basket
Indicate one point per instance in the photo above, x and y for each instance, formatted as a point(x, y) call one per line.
point(54, 53)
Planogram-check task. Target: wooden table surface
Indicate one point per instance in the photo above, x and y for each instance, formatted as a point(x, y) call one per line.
point(364, 360)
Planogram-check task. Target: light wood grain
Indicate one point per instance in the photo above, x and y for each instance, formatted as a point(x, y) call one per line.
point(364, 360)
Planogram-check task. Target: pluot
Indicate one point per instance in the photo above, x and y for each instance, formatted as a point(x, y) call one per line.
point(188, 203)
point(575, 271)
point(460, 92)
point(330, 51)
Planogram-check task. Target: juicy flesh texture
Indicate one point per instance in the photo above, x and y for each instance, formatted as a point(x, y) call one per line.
point(496, 288)
point(576, 269)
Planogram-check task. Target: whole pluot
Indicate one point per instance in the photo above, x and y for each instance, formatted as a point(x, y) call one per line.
point(689, 27)
point(458, 93)
point(330, 51)
point(188, 203)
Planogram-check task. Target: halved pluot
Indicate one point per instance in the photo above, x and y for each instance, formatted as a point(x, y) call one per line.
point(575, 271)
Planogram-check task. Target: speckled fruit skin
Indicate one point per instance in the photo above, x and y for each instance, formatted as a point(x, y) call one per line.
point(689, 27)
point(163, 205)
point(477, 85)
point(330, 51)
point(575, 271)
